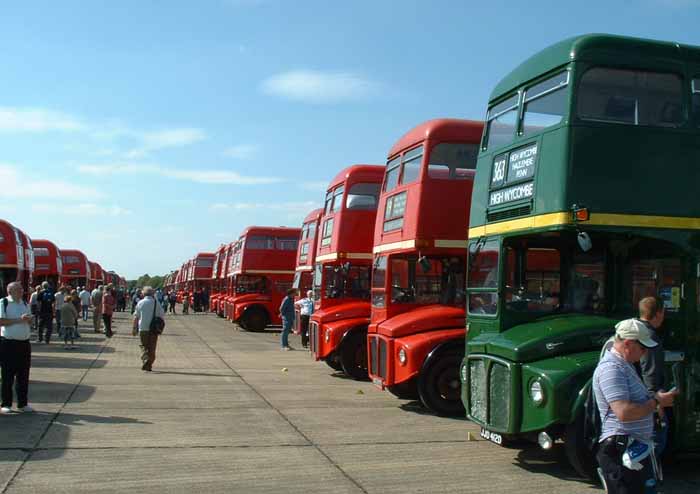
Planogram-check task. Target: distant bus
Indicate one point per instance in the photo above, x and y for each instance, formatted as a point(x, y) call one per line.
point(76, 270)
point(416, 333)
point(47, 263)
point(217, 278)
point(306, 256)
point(585, 201)
point(263, 272)
point(16, 258)
point(96, 275)
point(341, 282)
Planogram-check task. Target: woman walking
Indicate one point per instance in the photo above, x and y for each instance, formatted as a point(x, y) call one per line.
point(69, 321)
point(108, 304)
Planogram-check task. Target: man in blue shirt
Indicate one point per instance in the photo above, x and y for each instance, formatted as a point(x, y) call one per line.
point(287, 314)
point(626, 407)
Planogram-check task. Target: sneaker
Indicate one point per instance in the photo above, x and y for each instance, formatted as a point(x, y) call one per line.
point(285, 348)
point(26, 408)
point(66, 347)
point(5, 410)
point(73, 347)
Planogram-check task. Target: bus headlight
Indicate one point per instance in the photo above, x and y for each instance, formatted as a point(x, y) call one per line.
point(463, 373)
point(402, 357)
point(327, 336)
point(537, 392)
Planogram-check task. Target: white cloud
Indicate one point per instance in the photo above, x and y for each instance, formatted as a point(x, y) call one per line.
point(225, 177)
point(241, 151)
point(312, 86)
point(84, 209)
point(153, 141)
point(37, 120)
point(289, 207)
point(15, 185)
point(315, 185)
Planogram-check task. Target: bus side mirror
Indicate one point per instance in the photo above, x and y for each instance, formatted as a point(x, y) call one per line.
point(424, 263)
point(584, 241)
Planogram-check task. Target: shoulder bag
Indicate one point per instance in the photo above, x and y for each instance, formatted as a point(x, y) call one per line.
point(157, 323)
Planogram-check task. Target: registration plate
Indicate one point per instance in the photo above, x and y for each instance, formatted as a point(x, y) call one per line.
point(492, 436)
point(378, 382)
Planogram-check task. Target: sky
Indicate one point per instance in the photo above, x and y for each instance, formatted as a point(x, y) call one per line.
point(143, 132)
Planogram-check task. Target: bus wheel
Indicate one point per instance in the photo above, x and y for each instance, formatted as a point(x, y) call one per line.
point(439, 386)
point(254, 319)
point(405, 391)
point(353, 355)
point(333, 362)
point(578, 451)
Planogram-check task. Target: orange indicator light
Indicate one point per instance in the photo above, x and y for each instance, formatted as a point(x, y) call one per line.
point(582, 214)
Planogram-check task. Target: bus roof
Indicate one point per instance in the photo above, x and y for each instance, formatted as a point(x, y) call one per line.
point(359, 173)
point(313, 215)
point(593, 47)
point(271, 230)
point(439, 129)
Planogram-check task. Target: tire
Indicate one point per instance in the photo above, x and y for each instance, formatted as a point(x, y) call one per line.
point(405, 391)
point(579, 454)
point(333, 362)
point(353, 355)
point(439, 386)
point(254, 319)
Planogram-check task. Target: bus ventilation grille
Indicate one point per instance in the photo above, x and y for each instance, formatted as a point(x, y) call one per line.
point(509, 213)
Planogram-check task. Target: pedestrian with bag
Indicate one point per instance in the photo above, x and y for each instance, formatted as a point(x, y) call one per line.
point(149, 321)
point(108, 304)
point(46, 301)
point(626, 450)
point(287, 315)
point(96, 299)
point(15, 349)
point(306, 309)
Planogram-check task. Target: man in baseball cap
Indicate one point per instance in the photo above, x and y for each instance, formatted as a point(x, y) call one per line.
point(625, 405)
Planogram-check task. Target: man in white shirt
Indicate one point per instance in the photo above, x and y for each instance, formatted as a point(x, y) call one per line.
point(84, 303)
point(15, 349)
point(96, 299)
point(146, 309)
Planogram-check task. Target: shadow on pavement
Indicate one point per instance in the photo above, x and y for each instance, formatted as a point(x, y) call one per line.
point(192, 373)
point(65, 362)
point(553, 462)
point(58, 392)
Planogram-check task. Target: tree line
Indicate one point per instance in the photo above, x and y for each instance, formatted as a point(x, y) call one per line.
point(146, 280)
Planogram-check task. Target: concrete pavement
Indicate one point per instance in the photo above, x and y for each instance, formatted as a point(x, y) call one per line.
point(219, 414)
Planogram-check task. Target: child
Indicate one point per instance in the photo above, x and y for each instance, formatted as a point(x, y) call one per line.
point(69, 319)
point(186, 303)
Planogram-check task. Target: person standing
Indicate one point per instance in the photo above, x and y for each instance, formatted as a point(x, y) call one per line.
point(626, 407)
point(146, 309)
point(75, 301)
point(108, 304)
point(173, 301)
point(96, 299)
point(287, 314)
point(60, 299)
point(185, 303)
point(651, 365)
point(15, 348)
point(205, 300)
point(47, 309)
point(306, 309)
point(69, 319)
point(34, 307)
point(84, 303)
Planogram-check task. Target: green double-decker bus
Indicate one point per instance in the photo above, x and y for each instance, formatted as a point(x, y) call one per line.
point(585, 201)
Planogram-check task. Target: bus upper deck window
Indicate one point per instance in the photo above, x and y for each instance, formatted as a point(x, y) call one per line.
point(337, 199)
point(633, 97)
point(363, 196)
point(411, 165)
point(502, 121)
point(451, 161)
point(545, 104)
point(391, 179)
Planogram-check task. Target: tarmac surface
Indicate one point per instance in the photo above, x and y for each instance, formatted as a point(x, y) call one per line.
point(226, 411)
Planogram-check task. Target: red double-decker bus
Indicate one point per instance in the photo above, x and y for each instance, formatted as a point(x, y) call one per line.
point(47, 263)
point(96, 275)
point(76, 270)
point(263, 272)
point(341, 282)
point(199, 278)
point(233, 263)
point(16, 258)
point(216, 278)
point(223, 280)
point(416, 334)
point(306, 257)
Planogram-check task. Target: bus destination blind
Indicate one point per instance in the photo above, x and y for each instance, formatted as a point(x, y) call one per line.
point(510, 169)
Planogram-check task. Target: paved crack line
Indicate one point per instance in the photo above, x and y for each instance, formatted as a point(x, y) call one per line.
point(33, 449)
point(284, 417)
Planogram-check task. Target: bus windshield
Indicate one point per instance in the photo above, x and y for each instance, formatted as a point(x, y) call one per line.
point(345, 281)
point(427, 280)
point(251, 284)
point(302, 282)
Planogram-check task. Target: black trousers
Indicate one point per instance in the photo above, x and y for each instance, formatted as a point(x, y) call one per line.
point(45, 323)
point(15, 362)
point(107, 319)
point(618, 478)
point(304, 329)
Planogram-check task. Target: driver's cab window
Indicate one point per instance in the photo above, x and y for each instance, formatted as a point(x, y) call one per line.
point(533, 282)
point(401, 285)
point(657, 277)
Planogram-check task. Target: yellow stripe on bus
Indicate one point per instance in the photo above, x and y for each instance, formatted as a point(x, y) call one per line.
point(598, 219)
point(406, 244)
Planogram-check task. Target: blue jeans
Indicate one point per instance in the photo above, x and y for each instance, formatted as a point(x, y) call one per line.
point(286, 328)
point(85, 312)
